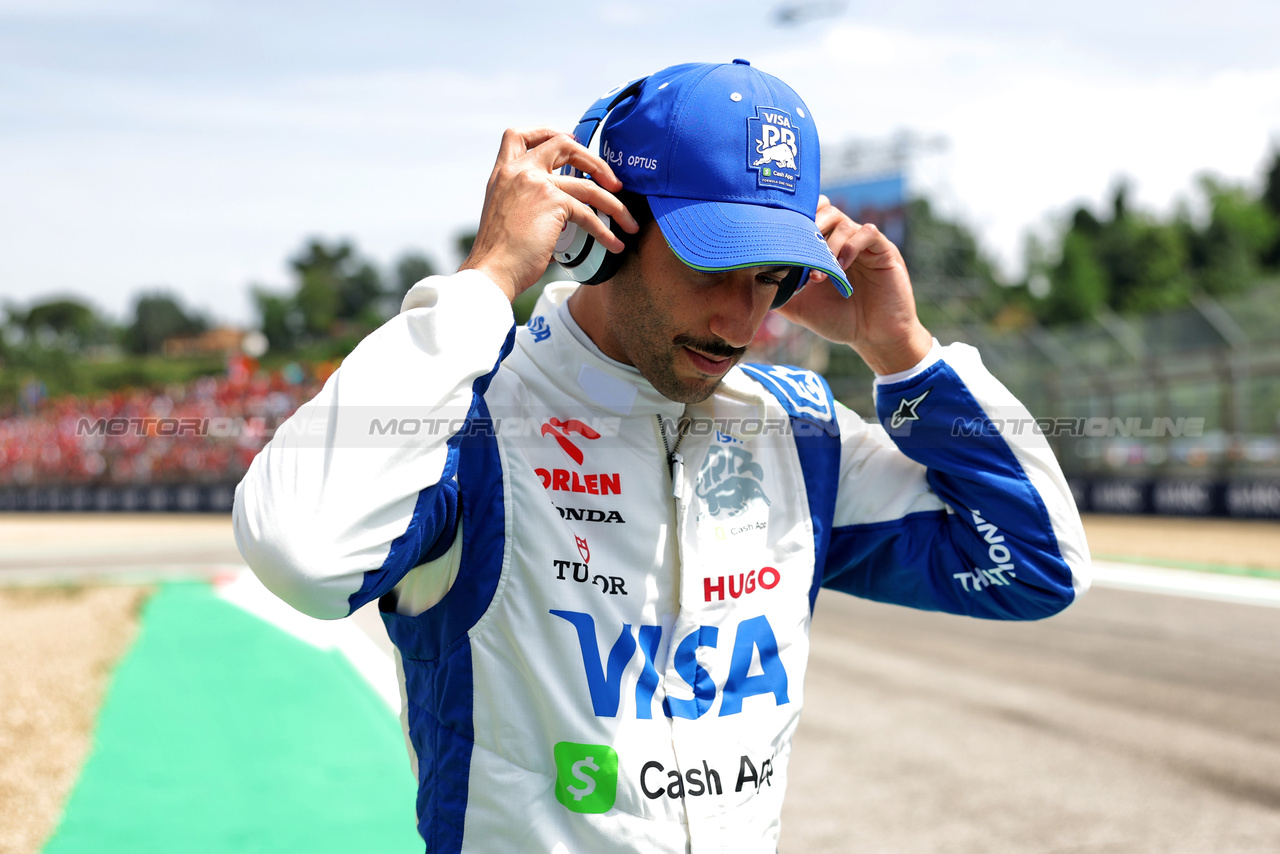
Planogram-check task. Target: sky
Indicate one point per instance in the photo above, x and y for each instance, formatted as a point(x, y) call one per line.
point(194, 146)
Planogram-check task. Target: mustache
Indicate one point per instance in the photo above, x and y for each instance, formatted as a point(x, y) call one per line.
point(711, 346)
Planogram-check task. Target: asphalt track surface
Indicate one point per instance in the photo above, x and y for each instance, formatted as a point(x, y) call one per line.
point(1134, 722)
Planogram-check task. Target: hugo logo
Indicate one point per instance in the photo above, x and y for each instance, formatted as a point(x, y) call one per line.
point(766, 579)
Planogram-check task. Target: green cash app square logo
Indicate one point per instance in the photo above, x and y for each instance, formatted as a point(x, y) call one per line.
point(586, 776)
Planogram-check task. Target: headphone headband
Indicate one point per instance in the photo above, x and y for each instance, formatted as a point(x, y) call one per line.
point(578, 253)
point(596, 113)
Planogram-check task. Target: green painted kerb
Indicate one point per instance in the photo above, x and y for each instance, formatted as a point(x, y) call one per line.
point(220, 733)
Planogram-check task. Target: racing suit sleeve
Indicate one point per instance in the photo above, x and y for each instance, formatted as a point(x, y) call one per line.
point(954, 500)
point(356, 488)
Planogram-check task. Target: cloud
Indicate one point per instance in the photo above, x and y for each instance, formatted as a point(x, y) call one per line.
point(1034, 128)
point(200, 187)
point(196, 146)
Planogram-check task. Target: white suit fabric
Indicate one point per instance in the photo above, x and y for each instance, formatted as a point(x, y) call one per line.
point(602, 650)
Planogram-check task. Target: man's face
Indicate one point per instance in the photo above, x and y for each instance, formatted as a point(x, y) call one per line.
point(682, 328)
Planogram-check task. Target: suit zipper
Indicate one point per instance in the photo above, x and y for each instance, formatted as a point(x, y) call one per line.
point(675, 462)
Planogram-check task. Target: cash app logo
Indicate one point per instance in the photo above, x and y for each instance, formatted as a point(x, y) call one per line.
point(586, 776)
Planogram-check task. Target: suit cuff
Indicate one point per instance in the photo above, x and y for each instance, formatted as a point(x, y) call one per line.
point(934, 354)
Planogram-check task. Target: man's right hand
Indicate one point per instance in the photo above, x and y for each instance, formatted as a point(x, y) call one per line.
point(527, 203)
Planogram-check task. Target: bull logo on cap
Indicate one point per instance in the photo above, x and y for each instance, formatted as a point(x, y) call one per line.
point(773, 146)
point(783, 154)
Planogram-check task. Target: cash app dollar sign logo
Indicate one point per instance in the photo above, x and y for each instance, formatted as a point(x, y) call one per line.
point(586, 776)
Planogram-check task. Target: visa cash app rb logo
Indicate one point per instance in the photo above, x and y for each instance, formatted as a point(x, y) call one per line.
point(773, 144)
point(586, 776)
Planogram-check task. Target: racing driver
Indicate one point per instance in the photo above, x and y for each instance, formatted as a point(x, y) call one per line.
point(596, 540)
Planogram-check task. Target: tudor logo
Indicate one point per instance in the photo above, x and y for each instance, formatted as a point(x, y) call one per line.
point(610, 585)
point(560, 431)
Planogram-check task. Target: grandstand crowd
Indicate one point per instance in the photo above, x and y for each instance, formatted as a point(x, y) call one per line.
point(204, 431)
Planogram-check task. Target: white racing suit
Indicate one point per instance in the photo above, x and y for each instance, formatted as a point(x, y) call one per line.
point(603, 645)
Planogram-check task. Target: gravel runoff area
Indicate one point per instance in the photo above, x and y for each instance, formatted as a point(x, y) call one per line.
point(59, 644)
point(1231, 543)
point(58, 647)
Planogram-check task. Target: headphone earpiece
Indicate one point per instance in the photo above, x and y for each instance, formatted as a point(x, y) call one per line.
point(580, 255)
point(584, 258)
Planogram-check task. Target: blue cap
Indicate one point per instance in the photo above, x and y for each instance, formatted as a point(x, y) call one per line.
point(729, 159)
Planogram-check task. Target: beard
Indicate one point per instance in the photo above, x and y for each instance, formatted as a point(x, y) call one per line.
point(652, 342)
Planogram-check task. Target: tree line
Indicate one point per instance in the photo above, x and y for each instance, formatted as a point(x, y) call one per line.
point(335, 290)
point(1132, 261)
point(1121, 259)
point(63, 345)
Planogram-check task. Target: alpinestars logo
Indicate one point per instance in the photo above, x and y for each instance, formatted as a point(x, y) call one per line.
point(730, 480)
point(906, 410)
point(773, 146)
point(560, 429)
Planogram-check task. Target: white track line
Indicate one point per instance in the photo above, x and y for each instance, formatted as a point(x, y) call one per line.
point(378, 669)
point(130, 573)
point(1181, 582)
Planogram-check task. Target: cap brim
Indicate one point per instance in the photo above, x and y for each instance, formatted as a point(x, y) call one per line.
point(723, 236)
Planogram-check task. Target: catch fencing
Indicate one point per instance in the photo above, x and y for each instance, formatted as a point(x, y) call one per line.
point(1174, 412)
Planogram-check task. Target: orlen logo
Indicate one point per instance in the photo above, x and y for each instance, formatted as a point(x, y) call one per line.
point(741, 585)
point(755, 648)
point(564, 480)
point(560, 430)
point(729, 480)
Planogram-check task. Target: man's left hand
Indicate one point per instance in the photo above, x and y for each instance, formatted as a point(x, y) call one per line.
point(879, 321)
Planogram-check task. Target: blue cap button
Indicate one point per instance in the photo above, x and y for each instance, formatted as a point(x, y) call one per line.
point(740, 62)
